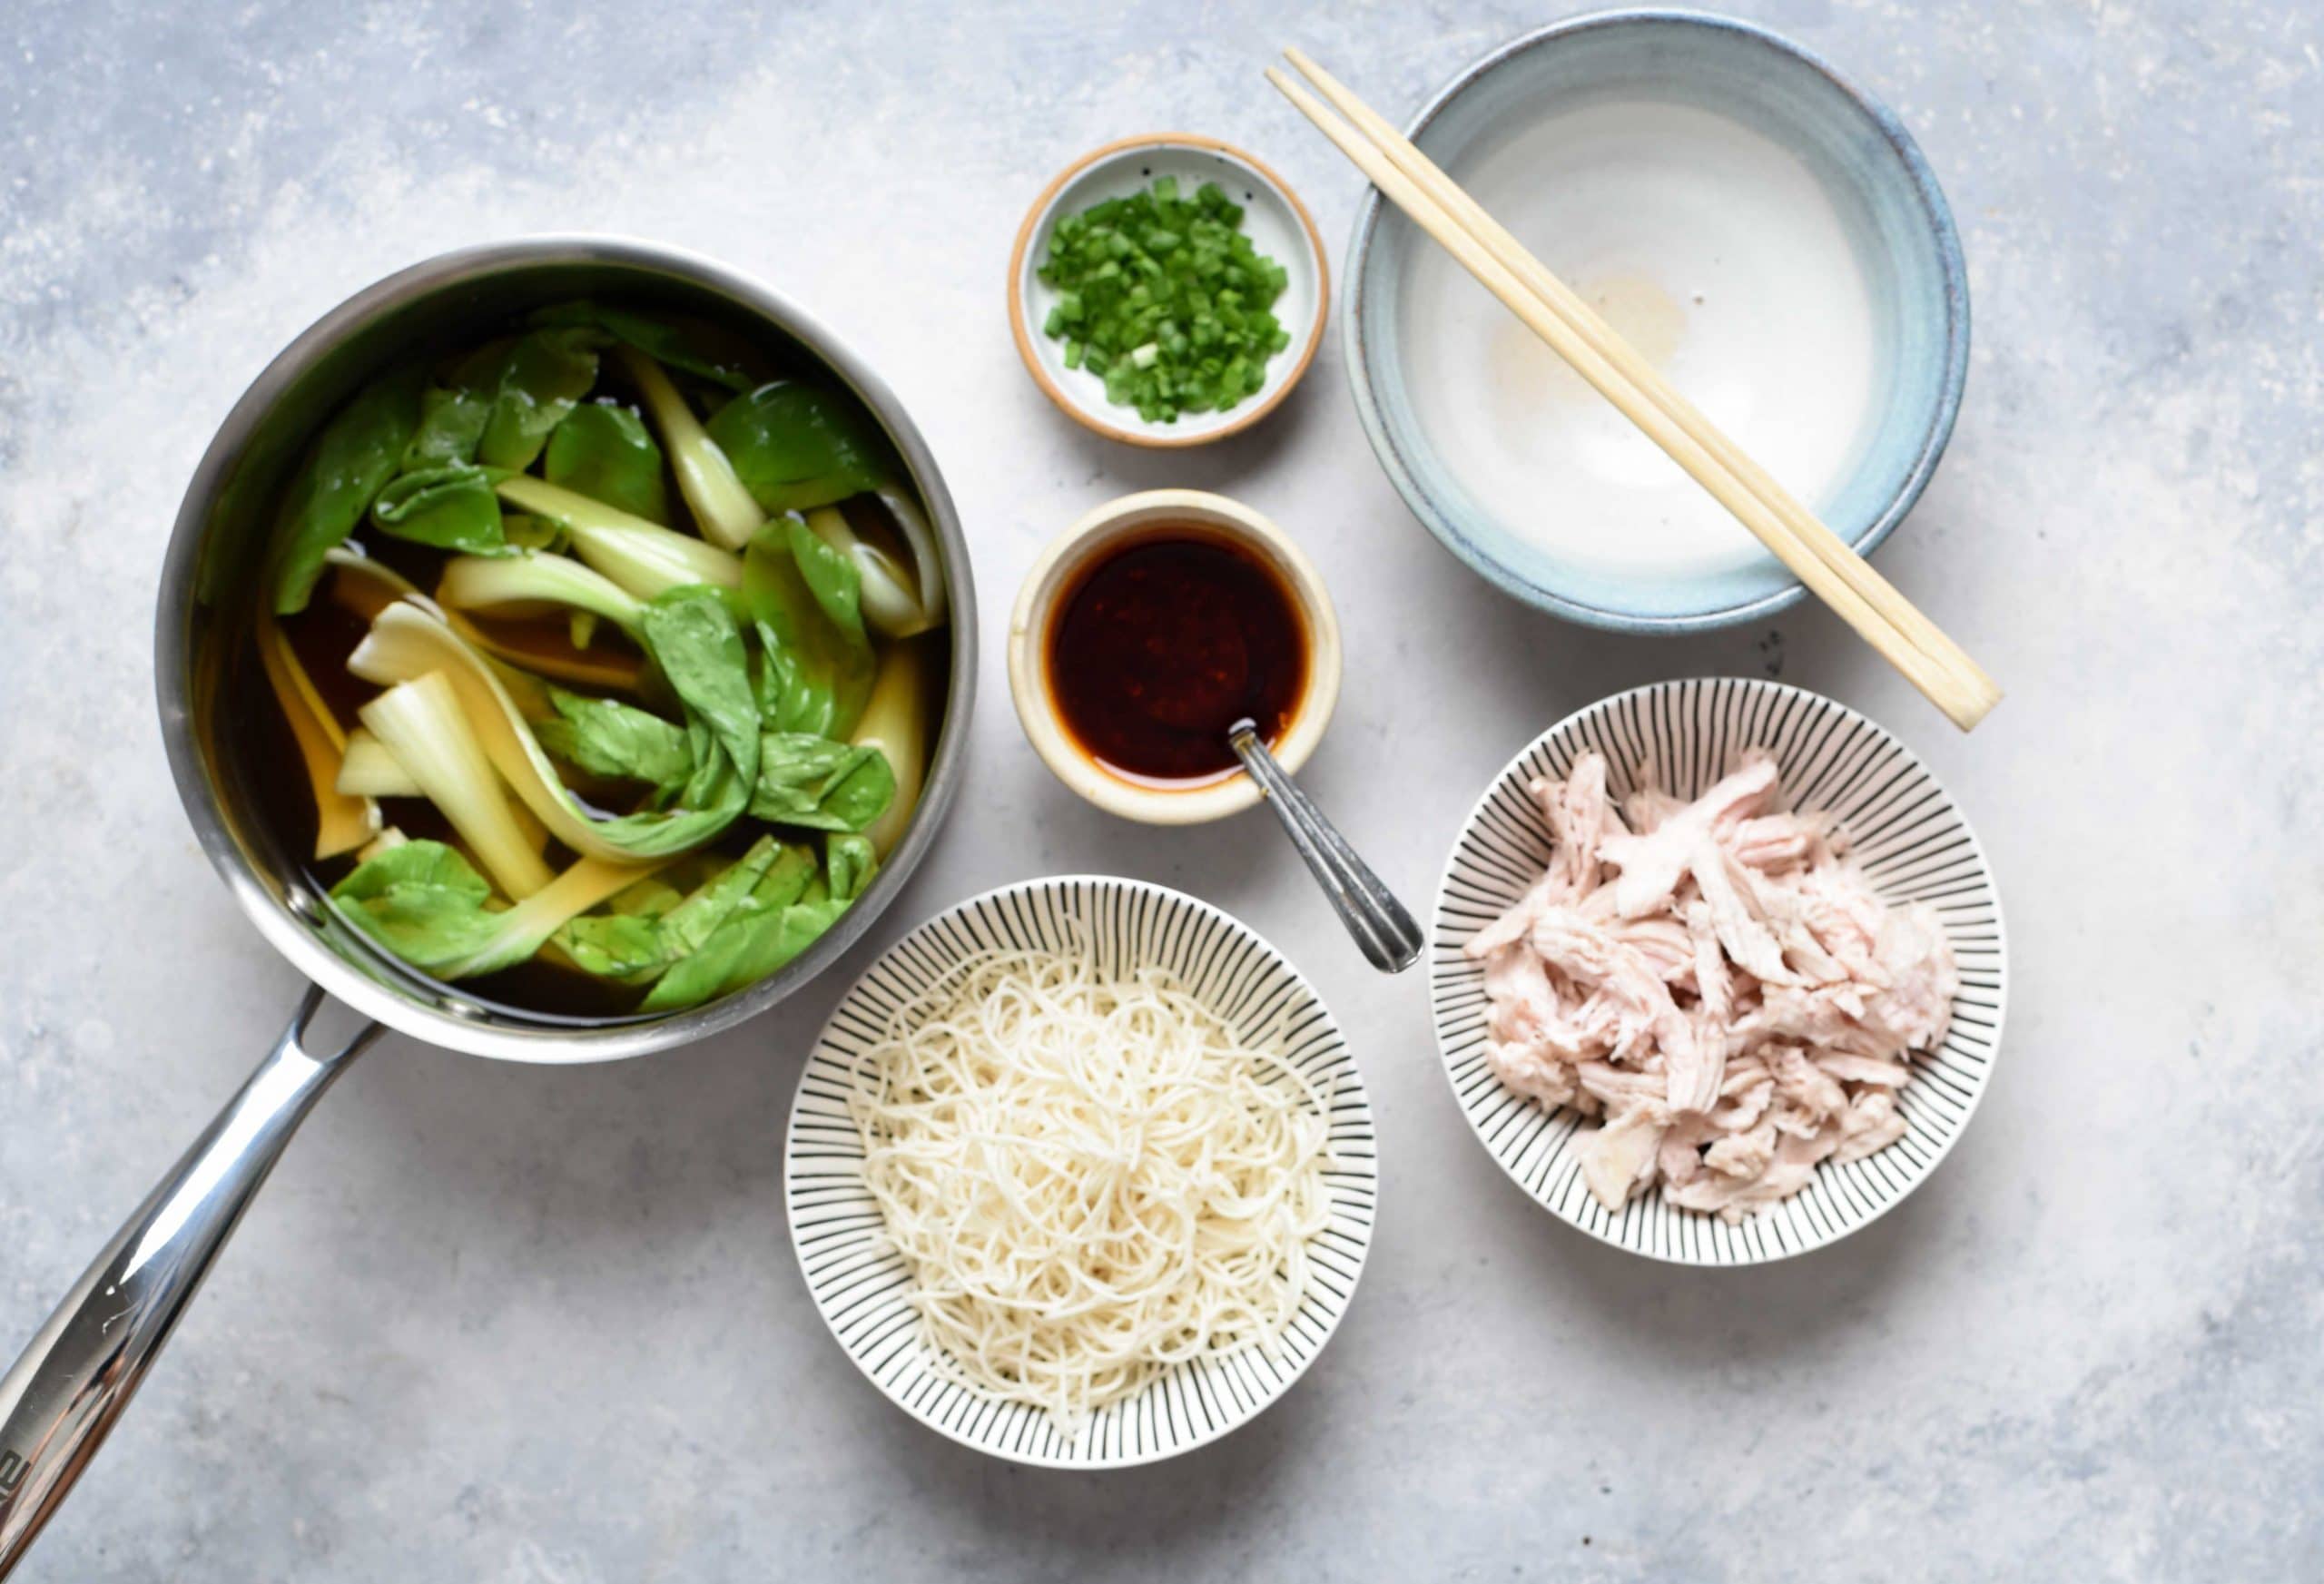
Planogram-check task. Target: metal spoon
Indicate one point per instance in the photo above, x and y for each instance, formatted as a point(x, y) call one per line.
point(1381, 928)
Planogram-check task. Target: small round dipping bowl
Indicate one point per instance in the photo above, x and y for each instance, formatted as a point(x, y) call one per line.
point(1058, 573)
point(1278, 225)
point(1682, 66)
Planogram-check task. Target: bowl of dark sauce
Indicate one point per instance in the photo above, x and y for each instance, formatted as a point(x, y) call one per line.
point(1149, 629)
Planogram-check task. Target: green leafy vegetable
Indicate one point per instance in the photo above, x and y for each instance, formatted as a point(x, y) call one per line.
point(803, 597)
point(797, 446)
point(452, 508)
point(543, 375)
point(771, 874)
point(789, 908)
point(451, 427)
point(1165, 300)
point(604, 451)
point(752, 650)
point(356, 453)
point(692, 636)
point(421, 900)
point(613, 945)
point(676, 346)
point(821, 784)
point(606, 737)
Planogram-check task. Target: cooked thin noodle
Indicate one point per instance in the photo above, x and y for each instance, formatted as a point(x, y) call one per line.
point(1091, 1178)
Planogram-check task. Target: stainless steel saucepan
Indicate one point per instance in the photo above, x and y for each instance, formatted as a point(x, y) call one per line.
point(65, 1393)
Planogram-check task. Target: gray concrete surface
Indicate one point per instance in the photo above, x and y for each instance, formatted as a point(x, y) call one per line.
point(533, 1327)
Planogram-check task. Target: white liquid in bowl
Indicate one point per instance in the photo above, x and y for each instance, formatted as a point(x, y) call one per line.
point(1709, 248)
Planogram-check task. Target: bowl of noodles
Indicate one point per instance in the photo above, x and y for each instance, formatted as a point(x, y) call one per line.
point(1081, 1173)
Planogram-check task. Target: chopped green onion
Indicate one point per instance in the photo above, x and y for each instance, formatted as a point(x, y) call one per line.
point(1164, 300)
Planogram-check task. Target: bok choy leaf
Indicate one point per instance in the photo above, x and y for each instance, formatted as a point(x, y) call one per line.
point(802, 595)
point(786, 912)
point(425, 903)
point(692, 636)
point(615, 946)
point(526, 928)
point(606, 737)
point(545, 373)
point(421, 900)
point(451, 506)
point(637, 948)
point(604, 451)
point(673, 346)
point(356, 453)
point(451, 427)
point(794, 447)
point(820, 784)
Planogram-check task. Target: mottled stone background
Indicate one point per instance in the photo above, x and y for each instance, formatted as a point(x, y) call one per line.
point(507, 1324)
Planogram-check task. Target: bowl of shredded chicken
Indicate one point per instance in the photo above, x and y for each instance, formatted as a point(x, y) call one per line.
point(1710, 998)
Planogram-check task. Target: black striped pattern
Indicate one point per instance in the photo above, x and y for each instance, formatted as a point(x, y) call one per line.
point(860, 1286)
point(1912, 842)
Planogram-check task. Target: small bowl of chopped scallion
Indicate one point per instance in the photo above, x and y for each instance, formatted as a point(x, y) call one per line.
point(1168, 289)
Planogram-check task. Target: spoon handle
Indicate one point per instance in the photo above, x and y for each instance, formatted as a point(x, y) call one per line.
point(1381, 928)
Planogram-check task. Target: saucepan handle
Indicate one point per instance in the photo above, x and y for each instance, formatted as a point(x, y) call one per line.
point(64, 1394)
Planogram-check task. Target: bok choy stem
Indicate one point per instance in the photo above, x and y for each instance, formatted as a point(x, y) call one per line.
point(534, 579)
point(722, 507)
point(368, 769)
point(370, 588)
point(421, 723)
point(643, 558)
point(406, 642)
point(344, 820)
point(524, 928)
point(895, 721)
point(895, 598)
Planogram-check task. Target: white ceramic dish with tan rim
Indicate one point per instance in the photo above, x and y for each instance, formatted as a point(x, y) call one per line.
point(1277, 223)
point(1058, 572)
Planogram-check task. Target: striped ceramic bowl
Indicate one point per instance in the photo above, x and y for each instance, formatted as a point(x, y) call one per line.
point(1914, 843)
point(861, 1286)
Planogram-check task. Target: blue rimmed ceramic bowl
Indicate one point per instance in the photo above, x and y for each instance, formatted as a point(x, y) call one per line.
point(1883, 200)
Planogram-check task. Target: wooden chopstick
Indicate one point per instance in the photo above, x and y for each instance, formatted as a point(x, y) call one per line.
point(1835, 573)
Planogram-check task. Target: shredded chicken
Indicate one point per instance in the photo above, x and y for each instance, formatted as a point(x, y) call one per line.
point(1718, 983)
